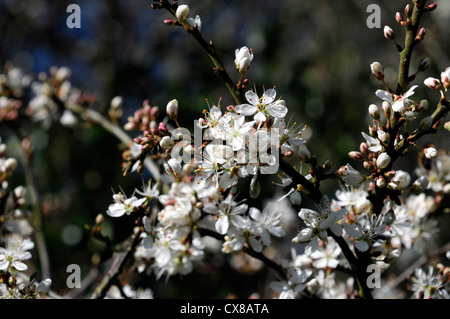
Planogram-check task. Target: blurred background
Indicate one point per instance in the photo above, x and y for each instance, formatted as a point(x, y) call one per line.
point(316, 53)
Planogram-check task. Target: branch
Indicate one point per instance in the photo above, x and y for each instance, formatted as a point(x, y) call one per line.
point(248, 250)
point(410, 43)
point(117, 266)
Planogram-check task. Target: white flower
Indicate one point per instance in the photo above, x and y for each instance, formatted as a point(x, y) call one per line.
point(15, 252)
point(269, 220)
point(327, 257)
point(398, 102)
point(149, 190)
point(243, 59)
point(364, 234)
point(197, 22)
point(235, 130)
point(317, 225)
point(124, 205)
point(227, 212)
point(297, 280)
point(262, 107)
point(428, 285)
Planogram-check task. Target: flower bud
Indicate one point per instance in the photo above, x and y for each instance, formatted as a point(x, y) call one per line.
point(173, 166)
point(392, 257)
point(389, 33)
point(423, 106)
point(383, 160)
point(430, 152)
point(166, 142)
point(445, 78)
point(99, 219)
point(116, 102)
point(381, 182)
point(356, 156)
point(10, 164)
point(408, 11)
point(377, 70)
point(402, 178)
point(447, 126)
point(389, 217)
point(172, 109)
point(182, 12)
point(296, 198)
point(424, 65)
point(387, 109)
point(374, 112)
point(363, 148)
point(421, 184)
point(63, 74)
point(189, 149)
point(425, 123)
point(398, 17)
point(421, 34)
point(244, 57)
point(432, 83)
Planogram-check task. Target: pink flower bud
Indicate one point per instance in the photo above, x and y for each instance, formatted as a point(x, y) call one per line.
point(408, 11)
point(377, 70)
point(398, 17)
point(432, 83)
point(356, 156)
point(389, 33)
point(420, 34)
point(445, 78)
point(447, 126)
point(374, 112)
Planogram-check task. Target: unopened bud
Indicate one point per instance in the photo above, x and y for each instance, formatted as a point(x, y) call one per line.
point(389, 33)
point(368, 166)
point(383, 160)
point(10, 164)
point(431, 7)
point(182, 12)
point(377, 70)
point(408, 11)
point(425, 123)
point(423, 106)
point(99, 219)
point(12, 281)
point(295, 198)
point(424, 65)
point(421, 184)
point(172, 109)
point(447, 126)
point(389, 217)
point(166, 142)
point(430, 152)
point(445, 78)
point(374, 111)
point(116, 102)
point(381, 182)
point(420, 34)
point(432, 83)
point(398, 17)
point(363, 148)
point(356, 156)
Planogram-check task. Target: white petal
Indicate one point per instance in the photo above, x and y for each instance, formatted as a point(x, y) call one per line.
point(384, 95)
point(246, 109)
point(222, 224)
point(353, 230)
point(362, 245)
point(20, 266)
point(269, 96)
point(278, 111)
point(260, 117)
point(115, 210)
point(251, 97)
point(312, 246)
point(255, 244)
